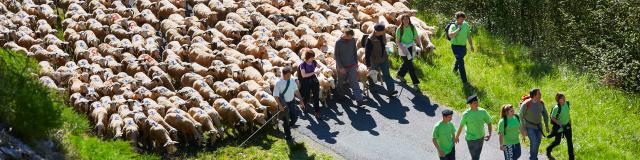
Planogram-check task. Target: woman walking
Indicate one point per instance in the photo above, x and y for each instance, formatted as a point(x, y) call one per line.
point(309, 86)
point(508, 131)
point(406, 38)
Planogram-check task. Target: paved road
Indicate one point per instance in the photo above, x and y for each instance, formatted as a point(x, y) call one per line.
point(397, 128)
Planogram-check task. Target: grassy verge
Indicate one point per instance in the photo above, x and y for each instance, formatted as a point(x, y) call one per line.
point(604, 119)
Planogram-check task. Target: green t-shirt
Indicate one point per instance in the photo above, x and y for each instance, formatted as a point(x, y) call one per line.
point(406, 36)
point(564, 114)
point(443, 133)
point(474, 121)
point(513, 129)
point(462, 36)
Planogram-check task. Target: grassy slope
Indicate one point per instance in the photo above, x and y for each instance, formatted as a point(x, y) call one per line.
point(604, 119)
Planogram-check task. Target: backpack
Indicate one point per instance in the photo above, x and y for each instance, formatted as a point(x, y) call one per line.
point(505, 123)
point(524, 99)
point(446, 28)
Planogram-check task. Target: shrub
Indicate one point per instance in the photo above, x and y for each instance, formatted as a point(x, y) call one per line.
point(27, 105)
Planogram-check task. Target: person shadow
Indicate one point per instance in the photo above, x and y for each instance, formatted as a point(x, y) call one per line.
point(320, 127)
point(360, 119)
point(420, 101)
point(392, 109)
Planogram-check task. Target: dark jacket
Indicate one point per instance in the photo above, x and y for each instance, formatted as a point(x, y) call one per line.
point(375, 51)
point(345, 53)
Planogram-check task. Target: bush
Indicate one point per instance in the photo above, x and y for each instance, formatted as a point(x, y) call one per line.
point(596, 36)
point(27, 105)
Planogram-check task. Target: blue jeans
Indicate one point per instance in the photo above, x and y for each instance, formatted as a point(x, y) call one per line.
point(535, 136)
point(512, 152)
point(460, 52)
point(386, 76)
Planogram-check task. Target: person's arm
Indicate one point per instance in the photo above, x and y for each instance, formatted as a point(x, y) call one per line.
point(501, 137)
point(397, 39)
point(470, 42)
point(452, 32)
point(553, 118)
point(456, 138)
point(435, 143)
point(545, 116)
point(367, 53)
point(305, 74)
point(336, 55)
point(416, 38)
point(487, 120)
point(297, 93)
point(276, 94)
point(522, 122)
point(501, 129)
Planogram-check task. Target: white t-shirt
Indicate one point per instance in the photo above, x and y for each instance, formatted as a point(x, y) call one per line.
point(280, 86)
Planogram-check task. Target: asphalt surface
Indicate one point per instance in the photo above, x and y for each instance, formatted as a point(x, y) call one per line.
point(396, 128)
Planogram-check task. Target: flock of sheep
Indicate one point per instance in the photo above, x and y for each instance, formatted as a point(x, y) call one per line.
point(161, 71)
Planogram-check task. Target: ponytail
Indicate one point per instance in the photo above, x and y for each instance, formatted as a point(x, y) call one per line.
point(503, 113)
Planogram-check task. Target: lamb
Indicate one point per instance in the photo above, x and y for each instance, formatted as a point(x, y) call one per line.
point(268, 100)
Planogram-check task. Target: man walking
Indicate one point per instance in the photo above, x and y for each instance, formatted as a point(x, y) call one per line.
point(345, 55)
point(460, 33)
point(443, 136)
point(283, 92)
point(474, 119)
point(376, 57)
point(532, 111)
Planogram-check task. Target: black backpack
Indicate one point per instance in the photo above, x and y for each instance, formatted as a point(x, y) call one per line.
point(446, 28)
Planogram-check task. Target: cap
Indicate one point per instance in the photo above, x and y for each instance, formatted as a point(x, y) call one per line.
point(286, 70)
point(379, 27)
point(447, 112)
point(472, 99)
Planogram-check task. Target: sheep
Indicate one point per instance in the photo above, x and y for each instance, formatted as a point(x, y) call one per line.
point(153, 114)
point(253, 101)
point(115, 126)
point(131, 130)
point(230, 116)
point(248, 112)
point(160, 136)
point(99, 117)
point(202, 11)
point(188, 79)
point(205, 90)
point(185, 125)
point(203, 118)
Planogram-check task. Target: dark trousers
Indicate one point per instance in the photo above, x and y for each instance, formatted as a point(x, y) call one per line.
point(558, 137)
point(460, 52)
point(407, 66)
point(512, 152)
point(310, 90)
point(288, 118)
point(450, 156)
point(475, 148)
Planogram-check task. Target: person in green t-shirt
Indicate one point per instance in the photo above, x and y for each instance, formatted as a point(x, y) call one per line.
point(443, 136)
point(474, 119)
point(562, 126)
point(409, 44)
point(508, 131)
point(460, 33)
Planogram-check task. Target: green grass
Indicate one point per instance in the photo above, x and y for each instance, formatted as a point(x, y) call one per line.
point(604, 119)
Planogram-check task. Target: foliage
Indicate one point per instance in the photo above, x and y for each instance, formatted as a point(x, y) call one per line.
point(23, 98)
point(596, 36)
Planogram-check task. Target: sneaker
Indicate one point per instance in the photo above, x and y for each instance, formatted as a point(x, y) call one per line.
point(392, 93)
point(360, 103)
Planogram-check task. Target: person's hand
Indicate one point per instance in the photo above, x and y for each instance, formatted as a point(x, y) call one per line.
point(301, 105)
point(440, 153)
point(487, 138)
point(281, 108)
point(455, 140)
point(502, 148)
